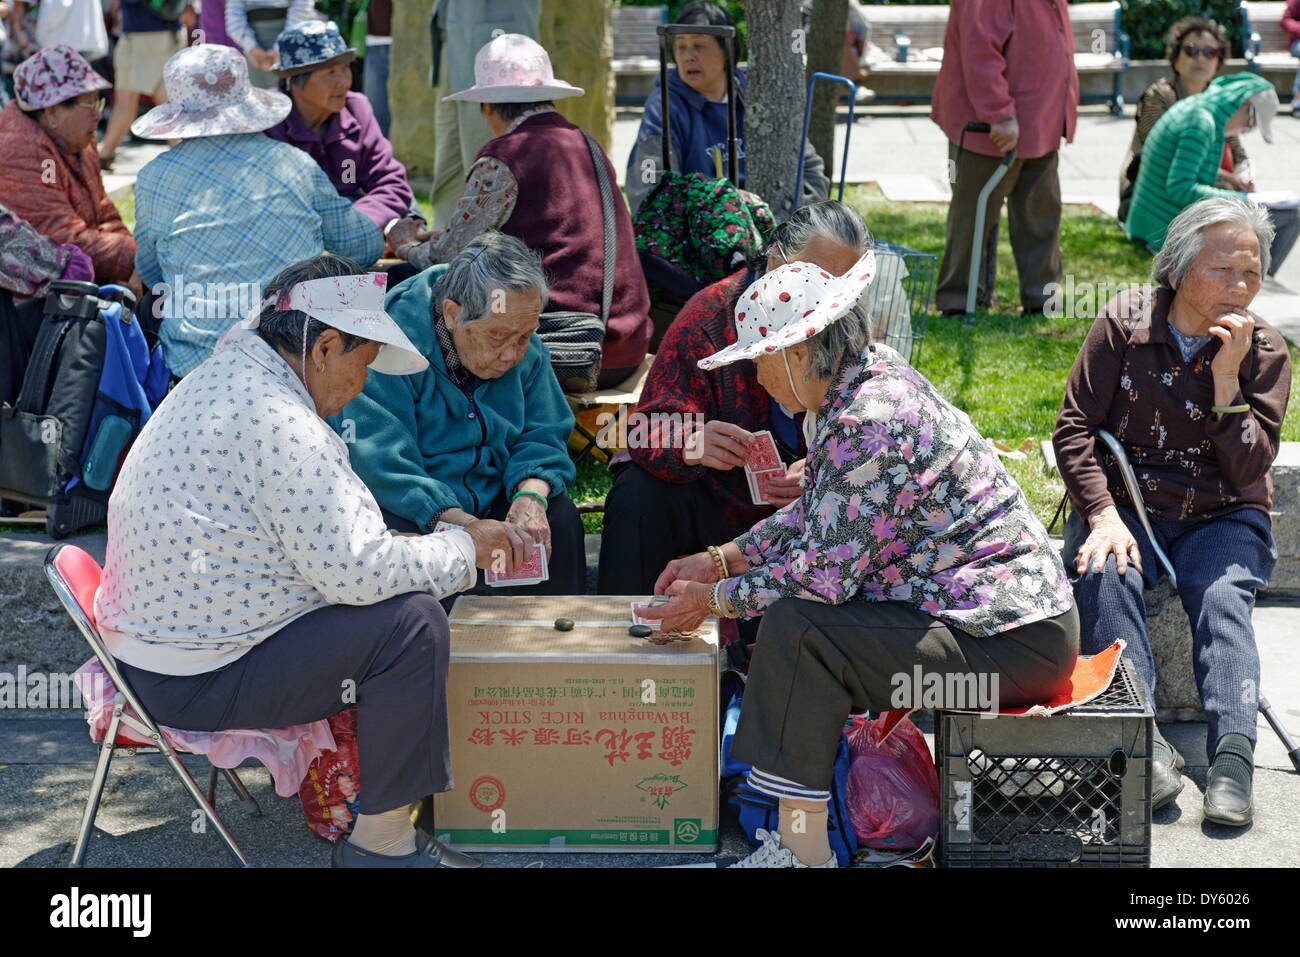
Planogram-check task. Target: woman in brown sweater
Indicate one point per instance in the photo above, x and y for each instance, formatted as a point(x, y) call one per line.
point(1195, 387)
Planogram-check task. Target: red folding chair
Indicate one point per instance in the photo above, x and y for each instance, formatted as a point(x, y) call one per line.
point(75, 575)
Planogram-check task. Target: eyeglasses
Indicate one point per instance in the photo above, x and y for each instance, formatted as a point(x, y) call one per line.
point(1210, 53)
point(1251, 119)
point(96, 107)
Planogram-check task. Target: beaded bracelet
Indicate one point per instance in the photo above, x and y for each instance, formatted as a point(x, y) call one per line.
point(718, 559)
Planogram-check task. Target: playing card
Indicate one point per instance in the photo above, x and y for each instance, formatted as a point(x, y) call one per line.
point(531, 572)
point(447, 527)
point(761, 481)
point(763, 456)
point(637, 619)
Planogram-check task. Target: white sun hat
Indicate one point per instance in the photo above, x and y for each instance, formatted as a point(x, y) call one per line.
point(354, 304)
point(790, 304)
point(513, 68)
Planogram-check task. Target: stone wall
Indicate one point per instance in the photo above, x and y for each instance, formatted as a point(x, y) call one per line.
point(577, 34)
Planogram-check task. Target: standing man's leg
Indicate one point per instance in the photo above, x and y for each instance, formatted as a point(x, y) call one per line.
point(971, 171)
point(448, 171)
point(1295, 89)
point(376, 82)
point(1034, 214)
point(1286, 223)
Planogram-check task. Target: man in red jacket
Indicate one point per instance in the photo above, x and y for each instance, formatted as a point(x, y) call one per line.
point(1291, 24)
point(1010, 65)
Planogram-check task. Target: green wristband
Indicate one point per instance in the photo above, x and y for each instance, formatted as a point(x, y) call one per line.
point(537, 495)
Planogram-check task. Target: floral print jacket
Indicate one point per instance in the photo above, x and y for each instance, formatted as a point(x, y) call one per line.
point(904, 501)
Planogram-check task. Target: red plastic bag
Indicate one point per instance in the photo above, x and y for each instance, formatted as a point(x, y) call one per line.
point(331, 792)
point(893, 790)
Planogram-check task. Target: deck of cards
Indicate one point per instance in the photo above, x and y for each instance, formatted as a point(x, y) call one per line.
point(762, 466)
point(531, 572)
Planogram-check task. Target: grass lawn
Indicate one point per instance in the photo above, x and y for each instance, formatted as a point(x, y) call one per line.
point(1006, 373)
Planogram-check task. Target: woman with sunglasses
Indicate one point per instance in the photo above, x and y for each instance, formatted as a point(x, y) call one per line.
point(1195, 48)
point(50, 176)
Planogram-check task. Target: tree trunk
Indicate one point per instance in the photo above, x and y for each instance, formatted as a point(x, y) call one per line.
point(774, 100)
point(825, 46)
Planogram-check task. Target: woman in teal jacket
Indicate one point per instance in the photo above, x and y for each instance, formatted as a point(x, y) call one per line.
point(1180, 161)
point(483, 432)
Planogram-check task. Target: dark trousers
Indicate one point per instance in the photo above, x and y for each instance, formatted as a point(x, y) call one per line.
point(389, 658)
point(649, 522)
point(816, 664)
point(568, 562)
point(1220, 563)
point(1032, 192)
point(1286, 222)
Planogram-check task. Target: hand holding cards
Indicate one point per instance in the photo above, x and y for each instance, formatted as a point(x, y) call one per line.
point(762, 465)
point(531, 572)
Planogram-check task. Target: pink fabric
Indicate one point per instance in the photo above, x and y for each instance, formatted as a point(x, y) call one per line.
point(1291, 20)
point(286, 752)
point(1002, 57)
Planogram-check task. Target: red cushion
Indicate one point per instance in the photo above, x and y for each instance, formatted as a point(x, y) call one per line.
point(81, 573)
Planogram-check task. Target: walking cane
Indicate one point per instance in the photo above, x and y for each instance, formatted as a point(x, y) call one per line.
point(977, 244)
point(1135, 493)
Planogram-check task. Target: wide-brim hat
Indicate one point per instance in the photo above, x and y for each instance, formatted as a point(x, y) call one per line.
point(789, 305)
point(513, 68)
point(208, 94)
point(1266, 106)
point(353, 304)
point(310, 45)
point(54, 75)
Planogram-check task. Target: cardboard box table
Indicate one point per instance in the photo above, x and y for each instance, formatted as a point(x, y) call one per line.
point(585, 740)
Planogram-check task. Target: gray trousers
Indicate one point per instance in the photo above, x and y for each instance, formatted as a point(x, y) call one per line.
point(394, 654)
point(816, 664)
point(1032, 192)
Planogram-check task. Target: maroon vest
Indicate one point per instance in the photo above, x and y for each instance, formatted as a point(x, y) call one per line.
point(558, 215)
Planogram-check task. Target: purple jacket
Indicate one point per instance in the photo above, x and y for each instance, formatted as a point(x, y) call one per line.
point(356, 157)
point(212, 21)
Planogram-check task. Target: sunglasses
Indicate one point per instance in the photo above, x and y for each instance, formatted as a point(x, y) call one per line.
point(1209, 53)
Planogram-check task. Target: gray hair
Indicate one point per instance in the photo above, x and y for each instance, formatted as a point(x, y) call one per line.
point(843, 340)
point(282, 329)
point(830, 218)
point(491, 262)
point(1185, 238)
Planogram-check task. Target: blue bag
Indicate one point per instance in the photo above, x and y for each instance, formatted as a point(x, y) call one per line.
point(756, 809)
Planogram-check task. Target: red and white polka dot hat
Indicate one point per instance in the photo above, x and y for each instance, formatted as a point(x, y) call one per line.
point(790, 304)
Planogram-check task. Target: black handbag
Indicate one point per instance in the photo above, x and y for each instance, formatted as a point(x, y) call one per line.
point(575, 338)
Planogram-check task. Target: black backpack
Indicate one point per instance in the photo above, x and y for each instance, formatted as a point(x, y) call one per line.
point(46, 438)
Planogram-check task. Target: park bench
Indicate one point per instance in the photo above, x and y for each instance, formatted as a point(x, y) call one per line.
point(1100, 43)
point(636, 50)
point(1267, 45)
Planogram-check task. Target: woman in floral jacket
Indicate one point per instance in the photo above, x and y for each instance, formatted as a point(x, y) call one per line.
point(911, 550)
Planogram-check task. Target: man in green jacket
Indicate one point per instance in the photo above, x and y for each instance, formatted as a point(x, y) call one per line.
point(1180, 161)
point(483, 432)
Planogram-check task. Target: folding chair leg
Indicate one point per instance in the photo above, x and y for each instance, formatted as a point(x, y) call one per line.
point(212, 785)
point(241, 790)
point(201, 799)
point(96, 790)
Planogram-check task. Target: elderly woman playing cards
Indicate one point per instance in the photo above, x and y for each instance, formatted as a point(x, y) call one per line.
point(909, 549)
point(250, 581)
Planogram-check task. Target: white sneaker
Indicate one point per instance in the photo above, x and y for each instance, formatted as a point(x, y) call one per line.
point(770, 853)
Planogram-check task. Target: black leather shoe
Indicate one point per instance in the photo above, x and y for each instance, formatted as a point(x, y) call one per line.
point(428, 853)
point(1166, 781)
point(1227, 802)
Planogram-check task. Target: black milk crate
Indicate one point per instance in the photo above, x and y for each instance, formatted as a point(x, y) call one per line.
point(1070, 790)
